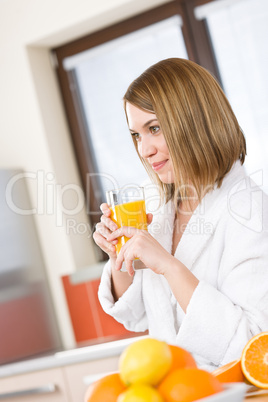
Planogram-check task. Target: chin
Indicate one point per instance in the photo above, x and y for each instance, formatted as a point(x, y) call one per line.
point(166, 178)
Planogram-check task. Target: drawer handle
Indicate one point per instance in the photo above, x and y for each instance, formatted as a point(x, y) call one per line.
point(44, 389)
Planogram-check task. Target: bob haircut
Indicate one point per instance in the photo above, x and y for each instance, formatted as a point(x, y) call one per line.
point(201, 131)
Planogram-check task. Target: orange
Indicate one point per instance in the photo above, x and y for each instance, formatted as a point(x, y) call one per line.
point(145, 361)
point(230, 372)
point(140, 393)
point(254, 360)
point(106, 389)
point(188, 385)
point(181, 358)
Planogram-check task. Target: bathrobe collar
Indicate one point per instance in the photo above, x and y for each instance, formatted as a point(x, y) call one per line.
point(203, 222)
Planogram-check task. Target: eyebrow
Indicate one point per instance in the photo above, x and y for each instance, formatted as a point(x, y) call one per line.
point(144, 125)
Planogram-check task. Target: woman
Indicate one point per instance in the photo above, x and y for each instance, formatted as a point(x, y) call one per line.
point(206, 288)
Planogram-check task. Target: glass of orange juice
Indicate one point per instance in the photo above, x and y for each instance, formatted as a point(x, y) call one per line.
point(127, 205)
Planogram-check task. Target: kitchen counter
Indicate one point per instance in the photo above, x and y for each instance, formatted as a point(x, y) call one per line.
point(64, 358)
point(82, 355)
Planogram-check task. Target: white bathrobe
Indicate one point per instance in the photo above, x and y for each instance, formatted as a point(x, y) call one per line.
point(225, 245)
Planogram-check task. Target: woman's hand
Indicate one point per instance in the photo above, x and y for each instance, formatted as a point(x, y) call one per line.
point(143, 246)
point(103, 229)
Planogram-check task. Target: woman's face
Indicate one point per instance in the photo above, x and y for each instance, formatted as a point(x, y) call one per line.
point(151, 142)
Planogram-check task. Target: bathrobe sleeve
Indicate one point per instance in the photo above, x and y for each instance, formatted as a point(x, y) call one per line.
point(129, 308)
point(220, 320)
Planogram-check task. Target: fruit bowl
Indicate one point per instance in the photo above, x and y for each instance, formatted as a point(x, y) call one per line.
point(233, 392)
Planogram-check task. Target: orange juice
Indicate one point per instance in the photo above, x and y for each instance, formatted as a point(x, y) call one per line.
point(129, 214)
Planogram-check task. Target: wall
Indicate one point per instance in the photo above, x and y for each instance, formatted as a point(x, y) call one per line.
point(33, 131)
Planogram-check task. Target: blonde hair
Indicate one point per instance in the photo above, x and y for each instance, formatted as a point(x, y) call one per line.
point(201, 131)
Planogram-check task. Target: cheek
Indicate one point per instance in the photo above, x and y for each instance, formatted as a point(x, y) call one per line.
point(165, 150)
point(168, 177)
point(162, 146)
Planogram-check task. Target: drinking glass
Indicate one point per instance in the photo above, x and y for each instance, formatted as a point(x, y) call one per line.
point(127, 205)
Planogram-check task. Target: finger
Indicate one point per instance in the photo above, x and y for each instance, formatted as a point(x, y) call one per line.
point(104, 244)
point(129, 266)
point(109, 223)
point(125, 256)
point(149, 218)
point(104, 207)
point(127, 231)
point(105, 232)
point(101, 242)
point(119, 260)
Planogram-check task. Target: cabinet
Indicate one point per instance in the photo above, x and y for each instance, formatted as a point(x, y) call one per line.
point(79, 376)
point(40, 386)
point(62, 384)
point(63, 377)
point(90, 322)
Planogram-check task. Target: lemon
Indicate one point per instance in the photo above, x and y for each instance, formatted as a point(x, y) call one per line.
point(145, 361)
point(140, 393)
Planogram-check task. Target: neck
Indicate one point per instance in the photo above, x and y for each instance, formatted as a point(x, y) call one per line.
point(187, 206)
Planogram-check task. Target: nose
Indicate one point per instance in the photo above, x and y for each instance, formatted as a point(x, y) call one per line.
point(146, 147)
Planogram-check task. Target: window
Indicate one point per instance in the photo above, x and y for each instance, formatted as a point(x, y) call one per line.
point(239, 31)
point(102, 76)
point(226, 37)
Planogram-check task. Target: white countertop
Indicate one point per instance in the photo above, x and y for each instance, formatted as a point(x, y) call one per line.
point(65, 358)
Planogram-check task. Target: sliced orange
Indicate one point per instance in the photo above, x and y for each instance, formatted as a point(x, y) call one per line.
point(230, 372)
point(254, 360)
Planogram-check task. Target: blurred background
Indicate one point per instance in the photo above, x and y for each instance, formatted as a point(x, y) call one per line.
point(65, 66)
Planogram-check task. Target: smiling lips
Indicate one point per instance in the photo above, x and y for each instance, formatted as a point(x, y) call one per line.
point(158, 165)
